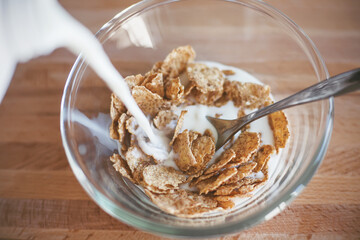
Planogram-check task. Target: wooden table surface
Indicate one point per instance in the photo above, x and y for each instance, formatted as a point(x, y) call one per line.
point(41, 199)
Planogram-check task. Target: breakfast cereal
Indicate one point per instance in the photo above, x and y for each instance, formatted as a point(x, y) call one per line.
point(192, 180)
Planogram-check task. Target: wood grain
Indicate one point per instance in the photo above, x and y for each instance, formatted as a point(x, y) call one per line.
point(84, 215)
point(40, 197)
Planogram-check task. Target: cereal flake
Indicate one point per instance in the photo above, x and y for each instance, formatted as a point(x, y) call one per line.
point(183, 203)
point(245, 145)
point(214, 182)
point(262, 156)
point(121, 166)
point(179, 125)
point(243, 171)
point(279, 125)
point(174, 90)
point(163, 177)
point(163, 118)
point(150, 103)
point(133, 81)
point(225, 157)
point(175, 63)
point(194, 151)
point(156, 84)
point(208, 82)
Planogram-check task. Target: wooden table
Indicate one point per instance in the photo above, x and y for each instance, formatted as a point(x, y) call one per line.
point(41, 199)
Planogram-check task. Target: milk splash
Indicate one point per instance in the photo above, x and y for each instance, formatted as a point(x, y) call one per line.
point(98, 127)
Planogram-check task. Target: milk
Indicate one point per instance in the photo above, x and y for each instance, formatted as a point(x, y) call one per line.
point(33, 28)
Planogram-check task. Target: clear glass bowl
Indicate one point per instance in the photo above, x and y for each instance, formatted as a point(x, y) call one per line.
point(247, 34)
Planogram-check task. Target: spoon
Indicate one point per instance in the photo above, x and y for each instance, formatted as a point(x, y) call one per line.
point(334, 86)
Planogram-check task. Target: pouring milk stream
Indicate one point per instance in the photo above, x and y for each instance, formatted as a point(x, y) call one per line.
point(32, 28)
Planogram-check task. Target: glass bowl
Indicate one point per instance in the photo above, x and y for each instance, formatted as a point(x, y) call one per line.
point(247, 34)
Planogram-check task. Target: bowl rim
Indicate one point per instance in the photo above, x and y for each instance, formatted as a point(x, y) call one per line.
point(124, 216)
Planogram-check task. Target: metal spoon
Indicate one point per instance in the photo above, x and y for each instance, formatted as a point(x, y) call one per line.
point(334, 86)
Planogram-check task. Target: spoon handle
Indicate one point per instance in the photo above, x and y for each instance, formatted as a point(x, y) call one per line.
point(334, 86)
